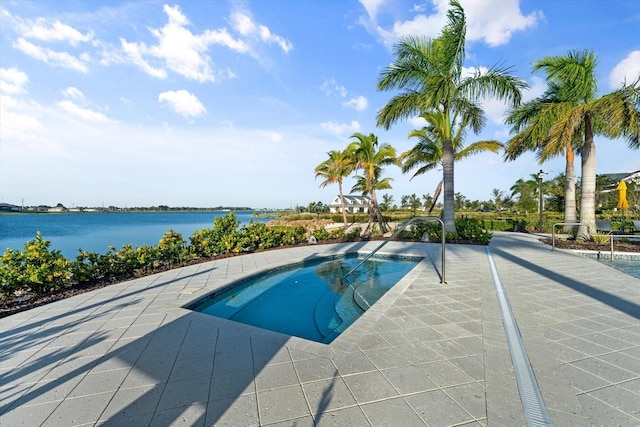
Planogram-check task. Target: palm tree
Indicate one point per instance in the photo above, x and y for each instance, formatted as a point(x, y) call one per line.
point(531, 123)
point(387, 200)
point(429, 71)
point(371, 157)
point(497, 197)
point(428, 201)
point(333, 170)
point(525, 191)
point(577, 114)
point(427, 154)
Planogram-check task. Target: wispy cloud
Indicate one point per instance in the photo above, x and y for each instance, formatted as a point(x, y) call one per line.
point(12, 81)
point(56, 31)
point(73, 93)
point(331, 87)
point(53, 57)
point(244, 24)
point(358, 103)
point(341, 129)
point(83, 113)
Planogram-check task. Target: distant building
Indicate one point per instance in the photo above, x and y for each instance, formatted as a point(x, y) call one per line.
point(6, 207)
point(352, 204)
point(628, 177)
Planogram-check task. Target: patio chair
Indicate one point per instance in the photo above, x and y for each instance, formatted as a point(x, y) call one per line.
point(604, 226)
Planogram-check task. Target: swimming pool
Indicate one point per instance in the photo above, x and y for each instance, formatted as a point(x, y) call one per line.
point(629, 266)
point(310, 300)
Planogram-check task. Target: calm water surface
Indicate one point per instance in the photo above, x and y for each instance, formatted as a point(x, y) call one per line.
point(96, 231)
point(629, 266)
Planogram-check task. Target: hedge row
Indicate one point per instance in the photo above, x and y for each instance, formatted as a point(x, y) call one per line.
point(39, 269)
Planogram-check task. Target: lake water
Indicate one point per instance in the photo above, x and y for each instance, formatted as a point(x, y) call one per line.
point(96, 231)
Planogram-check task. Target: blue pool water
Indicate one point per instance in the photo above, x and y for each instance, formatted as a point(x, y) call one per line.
point(309, 300)
point(629, 266)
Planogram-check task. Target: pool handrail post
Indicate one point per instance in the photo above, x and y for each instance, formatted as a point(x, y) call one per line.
point(402, 227)
point(553, 232)
point(611, 236)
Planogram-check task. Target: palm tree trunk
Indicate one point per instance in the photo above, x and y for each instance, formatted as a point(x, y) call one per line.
point(378, 214)
point(344, 212)
point(448, 216)
point(436, 194)
point(588, 184)
point(570, 214)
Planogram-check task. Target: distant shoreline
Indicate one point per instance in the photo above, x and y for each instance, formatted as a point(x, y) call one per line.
point(134, 210)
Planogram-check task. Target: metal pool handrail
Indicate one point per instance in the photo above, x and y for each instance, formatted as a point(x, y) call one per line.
point(402, 227)
point(611, 236)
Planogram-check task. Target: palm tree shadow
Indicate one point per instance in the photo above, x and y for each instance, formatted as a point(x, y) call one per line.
point(614, 301)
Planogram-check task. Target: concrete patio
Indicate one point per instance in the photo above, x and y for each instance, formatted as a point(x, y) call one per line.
point(427, 353)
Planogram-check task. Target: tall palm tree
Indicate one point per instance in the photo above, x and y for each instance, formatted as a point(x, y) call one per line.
point(427, 154)
point(370, 157)
point(531, 123)
point(430, 73)
point(577, 114)
point(333, 170)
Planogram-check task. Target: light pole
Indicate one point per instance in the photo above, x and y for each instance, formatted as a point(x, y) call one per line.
point(540, 176)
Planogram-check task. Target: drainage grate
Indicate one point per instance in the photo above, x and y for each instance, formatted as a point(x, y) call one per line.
point(535, 412)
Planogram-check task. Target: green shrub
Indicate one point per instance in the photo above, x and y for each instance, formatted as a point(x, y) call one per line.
point(467, 229)
point(171, 249)
point(37, 268)
point(471, 229)
point(321, 234)
point(600, 238)
point(354, 233)
point(222, 238)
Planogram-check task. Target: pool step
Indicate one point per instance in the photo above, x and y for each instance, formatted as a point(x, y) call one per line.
point(325, 316)
point(346, 308)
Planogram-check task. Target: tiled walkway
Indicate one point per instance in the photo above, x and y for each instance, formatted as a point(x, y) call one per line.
point(426, 354)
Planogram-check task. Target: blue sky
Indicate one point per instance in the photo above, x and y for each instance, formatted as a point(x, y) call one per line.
point(192, 103)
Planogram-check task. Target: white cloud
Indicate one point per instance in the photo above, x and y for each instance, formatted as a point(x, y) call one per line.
point(183, 102)
point(537, 87)
point(418, 122)
point(179, 49)
point(134, 52)
point(52, 57)
point(83, 113)
point(12, 81)
point(341, 128)
point(359, 103)
point(491, 21)
point(627, 70)
point(329, 87)
point(243, 23)
point(495, 21)
point(41, 29)
point(372, 6)
point(72, 92)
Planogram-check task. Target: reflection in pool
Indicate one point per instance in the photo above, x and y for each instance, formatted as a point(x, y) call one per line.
point(309, 300)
